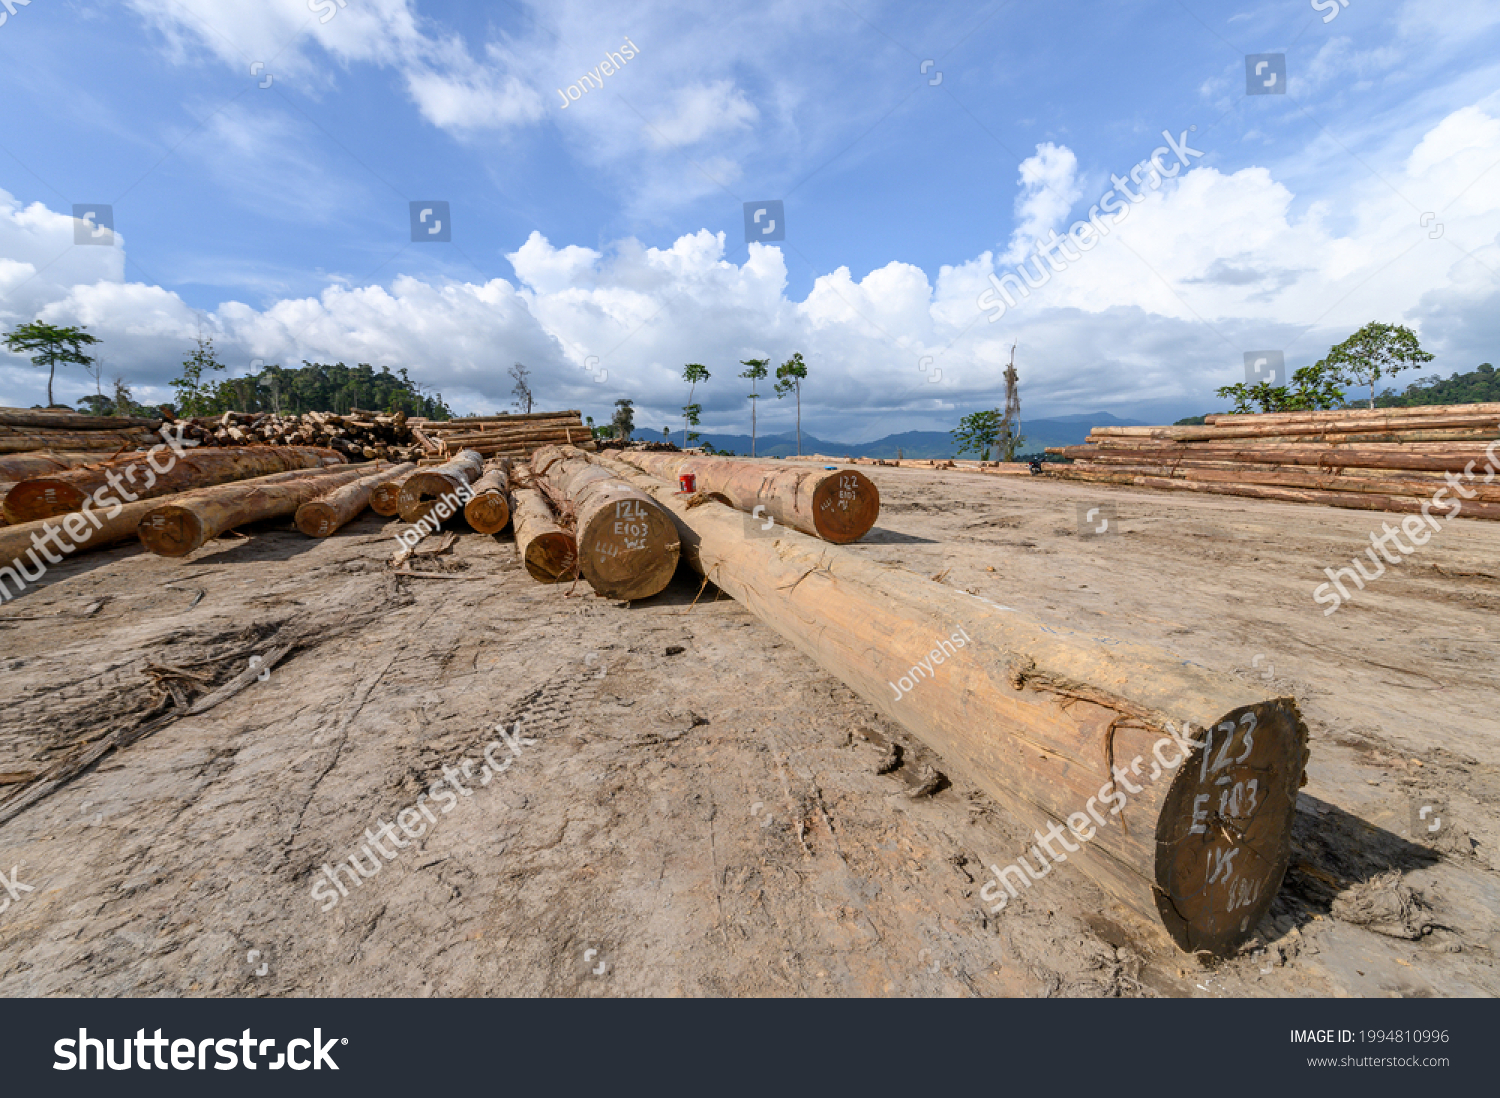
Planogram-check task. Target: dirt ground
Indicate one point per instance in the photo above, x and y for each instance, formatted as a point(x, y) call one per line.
point(691, 807)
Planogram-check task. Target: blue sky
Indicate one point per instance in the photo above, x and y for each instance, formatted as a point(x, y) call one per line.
point(605, 240)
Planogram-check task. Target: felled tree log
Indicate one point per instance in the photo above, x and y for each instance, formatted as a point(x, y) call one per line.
point(627, 545)
point(1074, 733)
point(19, 467)
point(149, 477)
point(423, 491)
point(318, 518)
point(386, 498)
point(489, 510)
point(71, 421)
point(547, 550)
point(178, 527)
point(23, 440)
point(96, 527)
point(838, 506)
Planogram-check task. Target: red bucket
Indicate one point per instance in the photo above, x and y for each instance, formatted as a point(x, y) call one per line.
point(687, 482)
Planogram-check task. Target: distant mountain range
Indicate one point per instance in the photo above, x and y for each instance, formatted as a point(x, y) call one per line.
point(1038, 433)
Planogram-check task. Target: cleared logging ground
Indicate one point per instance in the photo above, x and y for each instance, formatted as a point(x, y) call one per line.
point(723, 819)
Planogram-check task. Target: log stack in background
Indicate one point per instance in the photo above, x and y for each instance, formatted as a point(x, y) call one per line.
point(517, 436)
point(23, 430)
point(1386, 459)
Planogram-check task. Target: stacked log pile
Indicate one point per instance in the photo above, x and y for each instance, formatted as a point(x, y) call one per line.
point(1386, 459)
point(513, 436)
point(359, 436)
point(23, 430)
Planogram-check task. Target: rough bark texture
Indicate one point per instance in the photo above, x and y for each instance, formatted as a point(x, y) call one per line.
point(424, 490)
point(149, 477)
point(1056, 725)
point(187, 523)
point(547, 550)
point(627, 545)
point(318, 518)
point(489, 510)
point(836, 505)
point(72, 421)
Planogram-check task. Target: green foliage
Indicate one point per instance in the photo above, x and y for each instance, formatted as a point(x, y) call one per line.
point(624, 418)
point(317, 387)
point(1478, 386)
point(1375, 351)
point(1191, 421)
point(756, 368)
point(1009, 441)
point(1315, 388)
point(692, 373)
point(979, 432)
point(789, 377)
point(194, 393)
point(50, 346)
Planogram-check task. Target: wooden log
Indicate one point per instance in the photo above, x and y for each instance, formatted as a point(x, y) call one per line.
point(1421, 485)
point(148, 477)
point(447, 485)
point(548, 434)
point(1055, 724)
point(489, 509)
point(838, 506)
point(547, 550)
point(188, 522)
point(72, 421)
point(627, 545)
point(20, 442)
point(385, 500)
point(519, 417)
point(19, 467)
point(1455, 457)
point(95, 527)
point(1359, 501)
point(1354, 414)
point(318, 518)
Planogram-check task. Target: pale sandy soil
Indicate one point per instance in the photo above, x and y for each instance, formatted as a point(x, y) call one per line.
point(710, 821)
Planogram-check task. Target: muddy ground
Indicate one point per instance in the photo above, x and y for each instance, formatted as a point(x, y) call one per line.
point(692, 808)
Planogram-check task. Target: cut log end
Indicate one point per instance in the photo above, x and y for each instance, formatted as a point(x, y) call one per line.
point(845, 506)
point(317, 519)
point(172, 531)
point(1223, 838)
point(629, 549)
point(487, 513)
point(36, 499)
point(550, 557)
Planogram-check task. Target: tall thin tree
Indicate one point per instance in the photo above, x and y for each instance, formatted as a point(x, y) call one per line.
point(789, 377)
point(757, 370)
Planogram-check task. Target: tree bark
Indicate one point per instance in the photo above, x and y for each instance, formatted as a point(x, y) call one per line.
point(182, 525)
point(627, 545)
point(838, 506)
point(72, 421)
point(319, 518)
point(1054, 724)
point(547, 550)
point(149, 477)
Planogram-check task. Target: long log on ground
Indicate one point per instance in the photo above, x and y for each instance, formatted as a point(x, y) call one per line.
point(1056, 725)
point(568, 433)
point(318, 518)
point(547, 550)
point(627, 545)
point(72, 421)
point(1444, 459)
point(385, 500)
point(444, 485)
point(90, 529)
point(147, 478)
point(838, 506)
point(97, 441)
point(1355, 414)
point(187, 523)
point(519, 417)
point(489, 510)
point(525, 449)
point(1358, 501)
point(1319, 437)
point(1421, 485)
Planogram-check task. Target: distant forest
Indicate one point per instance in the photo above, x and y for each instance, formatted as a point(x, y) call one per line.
point(1478, 386)
point(313, 387)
